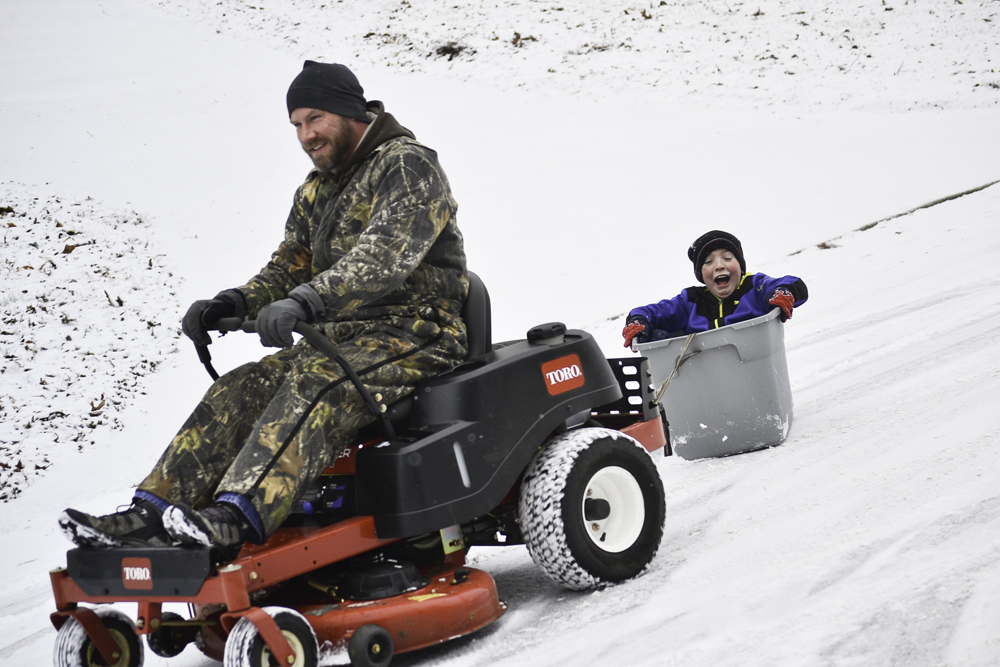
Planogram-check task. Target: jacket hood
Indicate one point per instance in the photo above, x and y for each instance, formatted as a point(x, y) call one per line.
point(382, 128)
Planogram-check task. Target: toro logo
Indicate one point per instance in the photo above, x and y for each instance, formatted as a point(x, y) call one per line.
point(563, 374)
point(137, 574)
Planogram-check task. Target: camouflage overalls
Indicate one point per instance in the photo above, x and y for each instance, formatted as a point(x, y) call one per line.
point(381, 247)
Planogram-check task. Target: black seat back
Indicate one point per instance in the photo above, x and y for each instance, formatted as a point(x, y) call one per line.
point(477, 315)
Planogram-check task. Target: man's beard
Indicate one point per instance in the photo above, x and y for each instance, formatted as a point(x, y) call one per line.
point(339, 148)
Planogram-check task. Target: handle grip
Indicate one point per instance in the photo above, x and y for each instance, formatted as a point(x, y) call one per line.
point(307, 331)
point(227, 324)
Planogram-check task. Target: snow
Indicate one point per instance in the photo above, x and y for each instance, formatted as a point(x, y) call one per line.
point(587, 145)
point(81, 284)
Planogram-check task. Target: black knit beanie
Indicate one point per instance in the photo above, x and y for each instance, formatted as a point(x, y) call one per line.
point(328, 87)
point(714, 240)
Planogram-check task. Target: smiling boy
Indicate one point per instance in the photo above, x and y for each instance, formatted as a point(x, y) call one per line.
point(729, 294)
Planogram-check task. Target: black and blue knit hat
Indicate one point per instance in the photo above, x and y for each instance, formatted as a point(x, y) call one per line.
point(714, 240)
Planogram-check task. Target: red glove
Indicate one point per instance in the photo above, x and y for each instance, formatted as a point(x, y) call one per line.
point(783, 299)
point(637, 326)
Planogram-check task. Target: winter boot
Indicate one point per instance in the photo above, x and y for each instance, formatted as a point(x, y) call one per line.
point(141, 525)
point(220, 526)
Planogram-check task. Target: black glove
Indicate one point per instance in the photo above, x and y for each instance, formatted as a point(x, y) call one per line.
point(206, 313)
point(638, 328)
point(277, 320)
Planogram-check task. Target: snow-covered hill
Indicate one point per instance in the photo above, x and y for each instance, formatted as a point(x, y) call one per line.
point(82, 312)
point(587, 144)
point(897, 55)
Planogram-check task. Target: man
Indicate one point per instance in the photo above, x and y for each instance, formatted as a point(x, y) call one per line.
point(372, 256)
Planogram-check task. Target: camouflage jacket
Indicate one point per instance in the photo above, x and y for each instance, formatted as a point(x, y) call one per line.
point(378, 242)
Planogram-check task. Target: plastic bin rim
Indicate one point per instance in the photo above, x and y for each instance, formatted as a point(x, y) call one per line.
point(736, 326)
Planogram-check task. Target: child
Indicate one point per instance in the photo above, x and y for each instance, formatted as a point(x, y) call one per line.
point(730, 294)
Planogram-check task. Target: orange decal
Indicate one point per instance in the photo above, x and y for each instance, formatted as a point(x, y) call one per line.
point(563, 374)
point(137, 574)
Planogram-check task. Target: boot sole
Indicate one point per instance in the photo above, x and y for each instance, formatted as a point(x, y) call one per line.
point(184, 527)
point(86, 536)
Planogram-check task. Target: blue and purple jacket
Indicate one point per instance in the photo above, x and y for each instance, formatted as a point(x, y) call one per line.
point(696, 309)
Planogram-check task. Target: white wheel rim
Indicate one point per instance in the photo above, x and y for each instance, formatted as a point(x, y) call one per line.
point(124, 657)
point(297, 649)
point(620, 529)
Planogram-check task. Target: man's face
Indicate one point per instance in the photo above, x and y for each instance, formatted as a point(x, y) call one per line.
point(327, 138)
point(721, 273)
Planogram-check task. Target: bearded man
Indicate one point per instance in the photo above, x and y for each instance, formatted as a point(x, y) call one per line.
point(371, 257)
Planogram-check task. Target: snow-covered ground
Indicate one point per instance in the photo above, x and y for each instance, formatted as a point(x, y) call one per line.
point(146, 162)
point(74, 273)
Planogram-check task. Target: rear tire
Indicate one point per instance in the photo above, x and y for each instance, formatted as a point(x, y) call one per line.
point(74, 648)
point(592, 508)
point(246, 648)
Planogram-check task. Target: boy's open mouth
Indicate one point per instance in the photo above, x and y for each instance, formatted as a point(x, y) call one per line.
point(722, 280)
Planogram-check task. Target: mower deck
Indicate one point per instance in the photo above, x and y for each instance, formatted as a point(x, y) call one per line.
point(455, 602)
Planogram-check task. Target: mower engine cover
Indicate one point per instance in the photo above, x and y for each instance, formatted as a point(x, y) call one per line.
point(472, 431)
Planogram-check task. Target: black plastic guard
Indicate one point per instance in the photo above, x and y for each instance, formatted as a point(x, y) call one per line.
point(638, 392)
point(484, 421)
point(137, 573)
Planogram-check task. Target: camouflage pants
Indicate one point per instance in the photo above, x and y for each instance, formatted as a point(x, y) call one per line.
point(266, 430)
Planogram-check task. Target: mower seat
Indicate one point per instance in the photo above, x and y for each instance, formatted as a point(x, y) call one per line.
point(477, 315)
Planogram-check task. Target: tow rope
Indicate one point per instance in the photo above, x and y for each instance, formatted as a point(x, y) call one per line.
point(680, 360)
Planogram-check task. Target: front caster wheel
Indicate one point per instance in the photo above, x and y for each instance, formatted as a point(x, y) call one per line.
point(75, 649)
point(592, 508)
point(246, 648)
point(170, 638)
point(370, 646)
